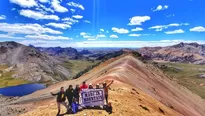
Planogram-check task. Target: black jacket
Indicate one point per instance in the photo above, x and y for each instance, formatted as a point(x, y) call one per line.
point(76, 93)
point(69, 93)
point(60, 96)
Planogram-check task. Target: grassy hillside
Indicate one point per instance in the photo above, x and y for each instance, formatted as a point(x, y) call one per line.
point(7, 80)
point(77, 66)
point(187, 75)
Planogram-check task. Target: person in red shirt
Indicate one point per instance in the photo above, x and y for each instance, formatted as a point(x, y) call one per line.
point(83, 86)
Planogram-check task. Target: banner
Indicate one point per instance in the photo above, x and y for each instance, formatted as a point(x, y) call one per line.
point(92, 97)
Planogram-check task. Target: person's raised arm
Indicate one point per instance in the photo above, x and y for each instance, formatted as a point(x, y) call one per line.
point(53, 94)
point(110, 83)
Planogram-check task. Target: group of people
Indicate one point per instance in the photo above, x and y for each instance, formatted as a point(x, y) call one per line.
point(73, 96)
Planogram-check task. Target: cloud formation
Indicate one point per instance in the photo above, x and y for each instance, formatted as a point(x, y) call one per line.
point(198, 29)
point(138, 20)
point(38, 15)
point(120, 30)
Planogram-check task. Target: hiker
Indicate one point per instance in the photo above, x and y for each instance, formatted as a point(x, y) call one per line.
point(90, 86)
point(83, 86)
point(75, 105)
point(76, 93)
point(70, 94)
point(60, 99)
point(97, 86)
point(106, 87)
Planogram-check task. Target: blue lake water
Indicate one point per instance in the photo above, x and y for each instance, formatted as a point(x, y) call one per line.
point(21, 90)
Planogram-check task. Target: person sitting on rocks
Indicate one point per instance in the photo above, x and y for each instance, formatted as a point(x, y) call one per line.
point(61, 97)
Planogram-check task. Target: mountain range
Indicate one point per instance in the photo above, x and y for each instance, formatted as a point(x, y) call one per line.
point(182, 52)
point(31, 64)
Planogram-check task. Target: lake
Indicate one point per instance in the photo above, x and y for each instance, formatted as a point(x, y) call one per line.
point(21, 90)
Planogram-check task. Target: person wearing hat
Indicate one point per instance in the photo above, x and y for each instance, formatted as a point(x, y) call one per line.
point(106, 87)
point(97, 86)
point(90, 86)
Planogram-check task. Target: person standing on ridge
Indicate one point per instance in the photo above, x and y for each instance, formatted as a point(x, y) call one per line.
point(97, 86)
point(60, 99)
point(90, 86)
point(106, 87)
point(76, 93)
point(83, 86)
point(70, 94)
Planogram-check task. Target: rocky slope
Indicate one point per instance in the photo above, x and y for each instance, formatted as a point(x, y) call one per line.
point(137, 87)
point(31, 64)
point(183, 52)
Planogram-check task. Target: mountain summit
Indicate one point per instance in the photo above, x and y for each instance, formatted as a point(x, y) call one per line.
point(139, 89)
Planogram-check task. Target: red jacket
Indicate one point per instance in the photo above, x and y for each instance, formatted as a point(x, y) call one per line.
point(83, 87)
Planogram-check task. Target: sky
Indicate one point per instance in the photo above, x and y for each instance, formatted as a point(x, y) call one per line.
point(102, 23)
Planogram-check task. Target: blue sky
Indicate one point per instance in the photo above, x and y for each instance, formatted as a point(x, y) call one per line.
point(102, 23)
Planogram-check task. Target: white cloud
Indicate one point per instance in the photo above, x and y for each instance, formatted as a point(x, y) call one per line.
point(107, 31)
point(6, 36)
point(113, 36)
point(76, 5)
point(2, 17)
point(171, 15)
point(70, 20)
point(161, 27)
point(25, 3)
point(86, 21)
point(77, 16)
point(19, 28)
point(160, 7)
point(57, 7)
point(175, 31)
point(100, 35)
point(37, 15)
point(88, 36)
point(82, 33)
point(102, 30)
point(198, 29)
point(137, 29)
point(138, 20)
point(134, 35)
point(59, 25)
point(47, 37)
point(44, 1)
point(43, 8)
point(72, 10)
point(120, 30)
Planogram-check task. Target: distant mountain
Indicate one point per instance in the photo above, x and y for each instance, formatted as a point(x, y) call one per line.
point(31, 64)
point(85, 52)
point(182, 52)
point(69, 52)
